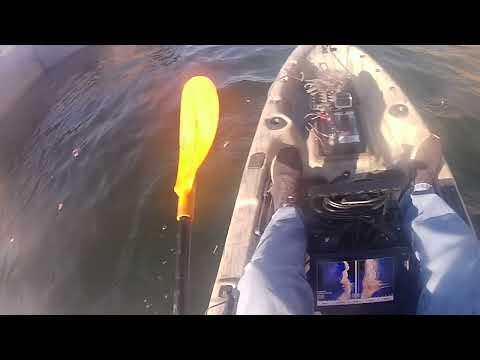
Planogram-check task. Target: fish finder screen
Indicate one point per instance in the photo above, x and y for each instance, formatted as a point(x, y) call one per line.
point(355, 282)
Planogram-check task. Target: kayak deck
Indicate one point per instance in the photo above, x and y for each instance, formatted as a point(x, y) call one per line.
point(391, 126)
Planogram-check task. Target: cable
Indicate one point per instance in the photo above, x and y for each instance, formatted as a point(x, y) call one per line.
point(350, 207)
point(338, 60)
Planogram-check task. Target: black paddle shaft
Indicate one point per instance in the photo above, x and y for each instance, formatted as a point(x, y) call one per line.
point(182, 273)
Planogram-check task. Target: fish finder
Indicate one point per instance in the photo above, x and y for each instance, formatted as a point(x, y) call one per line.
point(372, 282)
point(361, 261)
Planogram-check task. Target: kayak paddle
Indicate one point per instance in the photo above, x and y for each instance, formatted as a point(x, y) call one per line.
point(198, 125)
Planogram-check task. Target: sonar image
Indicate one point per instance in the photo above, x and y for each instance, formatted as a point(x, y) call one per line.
point(355, 282)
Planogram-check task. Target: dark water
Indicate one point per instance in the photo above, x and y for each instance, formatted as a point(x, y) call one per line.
point(87, 202)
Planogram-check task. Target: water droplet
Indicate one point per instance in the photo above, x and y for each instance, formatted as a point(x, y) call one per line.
point(226, 144)
point(164, 262)
point(148, 306)
point(145, 300)
point(60, 206)
point(164, 227)
point(172, 250)
point(12, 239)
point(76, 152)
point(215, 250)
point(248, 100)
point(165, 296)
point(159, 277)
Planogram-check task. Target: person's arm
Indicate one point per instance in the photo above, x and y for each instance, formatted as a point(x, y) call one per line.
point(449, 255)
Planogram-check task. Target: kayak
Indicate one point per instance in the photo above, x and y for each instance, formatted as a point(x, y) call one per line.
point(356, 131)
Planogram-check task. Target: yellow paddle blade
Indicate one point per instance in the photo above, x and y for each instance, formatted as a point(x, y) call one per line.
point(198, 126)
